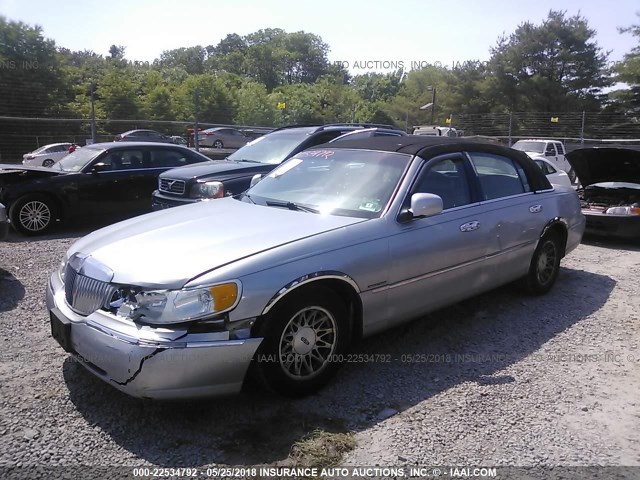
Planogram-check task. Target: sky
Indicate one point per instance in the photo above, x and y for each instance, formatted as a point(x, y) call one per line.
point(364, 36)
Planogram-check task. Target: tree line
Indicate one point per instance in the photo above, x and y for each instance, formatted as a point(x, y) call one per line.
point(272, 77)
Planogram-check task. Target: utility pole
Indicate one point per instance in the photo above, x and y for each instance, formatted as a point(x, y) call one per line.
point(582, 130)
point(196, 105)
point(92, 90)
point(510, 120)
point(433, 103)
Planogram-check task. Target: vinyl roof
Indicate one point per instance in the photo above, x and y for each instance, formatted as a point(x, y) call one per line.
point(410, 144)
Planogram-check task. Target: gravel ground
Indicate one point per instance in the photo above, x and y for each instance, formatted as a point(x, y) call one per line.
point(501, 379)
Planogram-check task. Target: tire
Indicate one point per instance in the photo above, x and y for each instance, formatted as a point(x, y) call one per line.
point(33, 214)
point(285, 361)
point(545, 265)
point(218, 144)
point(48, 162)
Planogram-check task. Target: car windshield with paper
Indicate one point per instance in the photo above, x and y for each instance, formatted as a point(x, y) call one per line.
point(354, 183)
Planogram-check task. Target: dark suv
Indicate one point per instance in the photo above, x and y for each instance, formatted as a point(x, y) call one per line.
point(218, 178)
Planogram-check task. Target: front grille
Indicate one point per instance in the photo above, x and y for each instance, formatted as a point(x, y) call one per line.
point(171, 186)
point(83, 294)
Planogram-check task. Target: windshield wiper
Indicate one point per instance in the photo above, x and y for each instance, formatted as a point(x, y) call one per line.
point(293, 206)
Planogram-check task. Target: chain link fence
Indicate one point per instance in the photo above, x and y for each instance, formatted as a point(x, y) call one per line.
point(20, 135)
point(574, 128)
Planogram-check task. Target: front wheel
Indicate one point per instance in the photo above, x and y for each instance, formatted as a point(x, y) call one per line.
point(545, 265)
point(304, 340)
point(32, 214)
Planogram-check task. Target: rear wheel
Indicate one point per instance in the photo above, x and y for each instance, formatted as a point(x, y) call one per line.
point(218, 144)
point(32, 214)
point(304, 338)
point(545, 265)
point(47, 163)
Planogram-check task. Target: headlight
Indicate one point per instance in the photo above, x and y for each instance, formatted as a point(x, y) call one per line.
point(631, 210)
point(207, 190)
point(175, 306)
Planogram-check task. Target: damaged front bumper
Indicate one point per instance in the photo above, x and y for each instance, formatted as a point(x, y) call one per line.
point(150, 362)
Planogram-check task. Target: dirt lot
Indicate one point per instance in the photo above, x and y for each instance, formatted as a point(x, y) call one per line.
point(500, 379)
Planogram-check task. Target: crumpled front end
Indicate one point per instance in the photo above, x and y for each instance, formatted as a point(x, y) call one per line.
point(159, 362)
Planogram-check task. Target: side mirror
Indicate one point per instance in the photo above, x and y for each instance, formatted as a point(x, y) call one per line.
point(425, 205)
point(255, 179)
point(100, 167)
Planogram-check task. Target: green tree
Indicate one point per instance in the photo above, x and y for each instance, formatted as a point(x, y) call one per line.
point(192, 59)
point(206, 96)
point(31, 82)
point(118, 94)
point(629, 72)
point(553, 67)
point(254, 106)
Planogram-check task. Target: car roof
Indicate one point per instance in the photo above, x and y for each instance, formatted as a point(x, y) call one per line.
point(112, 145)
point(431, 146)
point(409, 144)
point(54, 145)
point(139, 130)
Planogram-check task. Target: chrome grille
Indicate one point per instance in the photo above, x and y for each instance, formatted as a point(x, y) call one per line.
point(83, 294)
point(171, 186)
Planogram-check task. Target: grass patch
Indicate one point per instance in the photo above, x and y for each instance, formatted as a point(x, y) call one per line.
point(322, 449)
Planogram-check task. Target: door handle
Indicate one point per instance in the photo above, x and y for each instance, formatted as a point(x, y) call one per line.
point(470, 226)
point(535, 208)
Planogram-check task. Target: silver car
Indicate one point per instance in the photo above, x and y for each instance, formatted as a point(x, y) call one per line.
point(337, 243)
point(222, 137)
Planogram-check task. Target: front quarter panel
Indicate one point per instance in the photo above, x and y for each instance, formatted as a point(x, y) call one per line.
point(358, 253)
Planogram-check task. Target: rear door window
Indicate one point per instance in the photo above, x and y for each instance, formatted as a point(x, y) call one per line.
point(169, 158)
point(499, 176)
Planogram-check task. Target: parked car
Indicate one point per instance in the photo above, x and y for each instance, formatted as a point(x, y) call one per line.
point(46, 156)
point(232, 176)
point(178, 140)
point(339, 242)
point(4, 222)
point(610, 191)
point(142, 136)
point(100, 179)
point(222, 137)
point(550, 150)
point(554, 175)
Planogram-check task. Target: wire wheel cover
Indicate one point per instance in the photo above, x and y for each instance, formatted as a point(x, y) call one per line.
point(307, 343)
point(546, 262)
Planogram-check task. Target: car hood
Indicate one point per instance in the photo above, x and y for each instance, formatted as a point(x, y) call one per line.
point(598, 165)
point(26, 171)
point(217, 169)
point(167, 249)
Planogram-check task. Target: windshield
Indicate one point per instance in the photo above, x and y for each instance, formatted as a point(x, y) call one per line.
point(354, 183)
point(76, 160)
point(537, 147)
point(272, 148)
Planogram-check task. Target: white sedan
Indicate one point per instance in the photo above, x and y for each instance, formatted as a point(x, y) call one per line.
point(554, 175)
point(46, 156)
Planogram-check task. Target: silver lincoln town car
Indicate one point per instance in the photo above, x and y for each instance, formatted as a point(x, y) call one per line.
point(339, 242)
